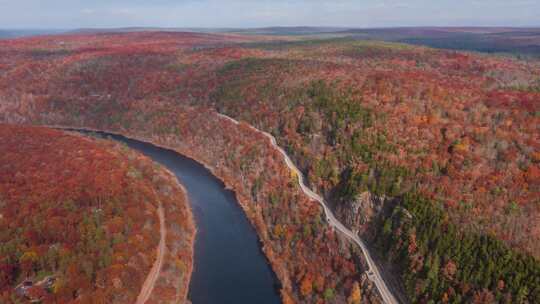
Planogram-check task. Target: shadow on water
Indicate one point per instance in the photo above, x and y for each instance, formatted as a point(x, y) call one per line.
point(229, 264)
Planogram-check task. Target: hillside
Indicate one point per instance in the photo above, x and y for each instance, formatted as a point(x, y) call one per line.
point(434, 152)
point(508, 40)
point(519, 41)
point(79, 221)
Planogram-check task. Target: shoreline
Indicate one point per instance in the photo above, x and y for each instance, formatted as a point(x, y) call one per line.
point(170, 176)
point(264, 248)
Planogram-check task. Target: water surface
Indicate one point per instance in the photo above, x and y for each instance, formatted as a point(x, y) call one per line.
point(229, 264)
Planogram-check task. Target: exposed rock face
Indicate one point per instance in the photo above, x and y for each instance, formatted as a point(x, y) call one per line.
point(361, 212)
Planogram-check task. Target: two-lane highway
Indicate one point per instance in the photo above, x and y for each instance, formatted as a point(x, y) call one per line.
point(373, 271)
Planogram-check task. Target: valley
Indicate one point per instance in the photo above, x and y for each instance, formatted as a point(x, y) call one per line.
point(371, 172)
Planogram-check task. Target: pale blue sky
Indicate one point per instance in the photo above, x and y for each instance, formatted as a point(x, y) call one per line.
point(246, 13)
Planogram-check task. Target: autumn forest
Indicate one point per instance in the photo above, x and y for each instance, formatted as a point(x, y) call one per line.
point(431, 156)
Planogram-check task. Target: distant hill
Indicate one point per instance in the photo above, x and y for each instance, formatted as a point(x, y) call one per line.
point(431, 155)
point(524, 41)
point(149, 29)
point(9, 33)
point(277, 30)
point(292, 30)
point(483, 39)
point(521, 41)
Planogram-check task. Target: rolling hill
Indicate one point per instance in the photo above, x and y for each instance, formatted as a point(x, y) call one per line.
point(432, 155)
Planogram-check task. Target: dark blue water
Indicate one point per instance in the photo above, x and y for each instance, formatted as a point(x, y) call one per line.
point(229, 265)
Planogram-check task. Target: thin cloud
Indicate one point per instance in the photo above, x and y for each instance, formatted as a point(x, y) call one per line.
point(251, 13)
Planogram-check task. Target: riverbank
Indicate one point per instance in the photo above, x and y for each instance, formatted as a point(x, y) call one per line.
point(300, 247)
point(222, 176)
point(224, 229)
point(169, 278)
point(98, 213)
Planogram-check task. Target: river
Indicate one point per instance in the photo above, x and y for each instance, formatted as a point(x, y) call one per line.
point(229, 264)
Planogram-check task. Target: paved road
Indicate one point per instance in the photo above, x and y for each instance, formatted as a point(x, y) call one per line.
point(373, 271)
point(153, 275)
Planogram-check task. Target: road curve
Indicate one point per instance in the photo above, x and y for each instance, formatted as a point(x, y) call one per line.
point(151, 278)
point(373, 271)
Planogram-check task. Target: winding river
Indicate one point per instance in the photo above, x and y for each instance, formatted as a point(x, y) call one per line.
point(229, 264)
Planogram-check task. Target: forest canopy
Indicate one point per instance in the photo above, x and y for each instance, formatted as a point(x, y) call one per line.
point(450, 137)
point(78, 220)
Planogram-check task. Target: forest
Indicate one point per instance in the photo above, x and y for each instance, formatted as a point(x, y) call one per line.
point(449, 138)
point(78, 220)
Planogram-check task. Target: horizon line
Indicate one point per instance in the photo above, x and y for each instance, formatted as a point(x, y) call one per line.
point(265, 27)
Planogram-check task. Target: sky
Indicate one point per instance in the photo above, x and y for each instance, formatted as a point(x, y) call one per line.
point(69, 14)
